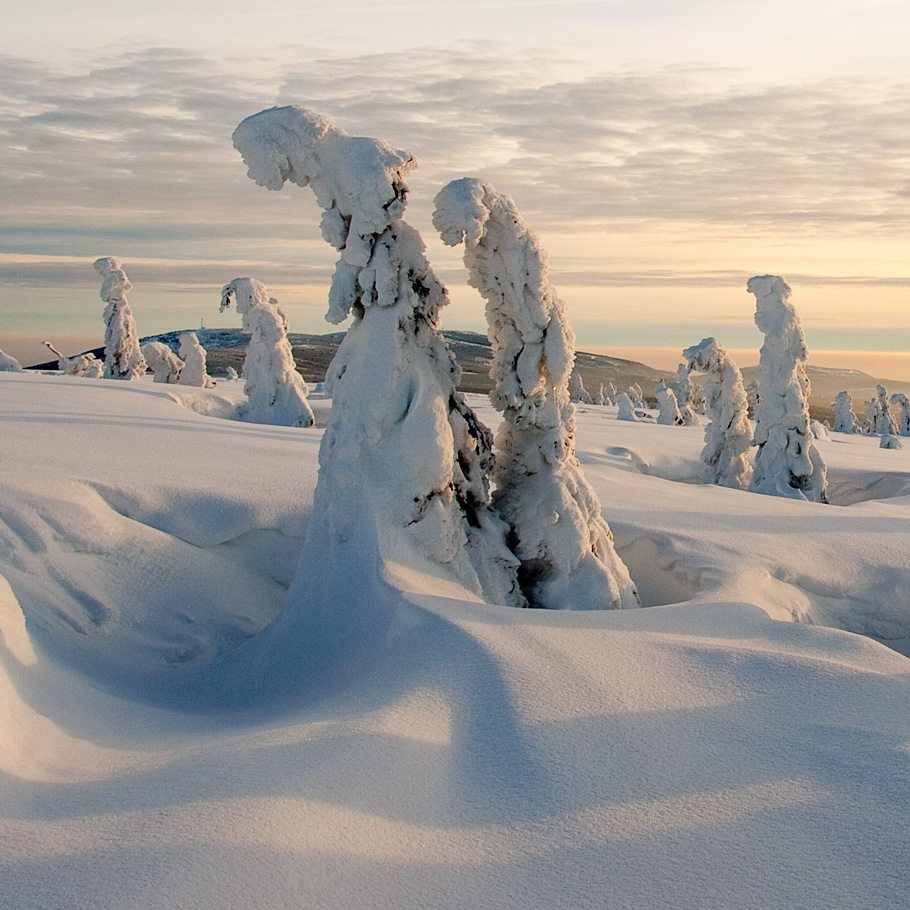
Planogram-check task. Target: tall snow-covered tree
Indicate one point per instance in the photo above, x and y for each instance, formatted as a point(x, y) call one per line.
point(122, 357)
point(568, 560)
point(193, 355)
point(844, 419)
point(668, 410)
point(787, 462)
point(162, 362)
point(276, 392)
point(898, 398)
point(404, 457)
point(728, 435)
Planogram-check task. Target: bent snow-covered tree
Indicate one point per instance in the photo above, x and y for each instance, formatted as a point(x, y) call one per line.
point(404, 459)
point(122, 357)
point(162, 362)
point(787, 462)
point(568, 560)
point(844, 419)
point(728, 436)
point(275, 391)
point(195, 371)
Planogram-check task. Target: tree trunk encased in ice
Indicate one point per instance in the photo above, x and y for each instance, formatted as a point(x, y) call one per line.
point(122, 357)
point(728, 435)
point(787, 462)
point(276, 392)
point(565, 546)
point(402, 443)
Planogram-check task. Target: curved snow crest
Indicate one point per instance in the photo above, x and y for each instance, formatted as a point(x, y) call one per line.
point(568, 560)
point(402, 442)
point(787, 462)
point(728, 436)
point(276, 392)
point(359, 183)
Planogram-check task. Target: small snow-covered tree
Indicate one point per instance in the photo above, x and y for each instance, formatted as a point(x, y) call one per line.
point(844, 419)
point(230, 374)
point(122, 357)
point(898, 398)
point(667, 407)
point(636, 393)
point(610, 394)
point(683, 389)
point(194, 371)
point(162, 362)
point(887, 427)
point(601, 396)
point(276, 392)
point(626, 409)
point(85, 365)
point(568, 560)
point(728, 436)
point(404, 458)
point(9, 364)
point(578, 392)
point(787, 462)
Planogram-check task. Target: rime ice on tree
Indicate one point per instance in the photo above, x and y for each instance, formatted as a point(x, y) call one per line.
point(728, 436)
point(194, 371)
point(625, 408)
point(276, 392)
point(579, 393)
point(162, 362)
point(667, 407)
point(887, 427)
point(898, 398)
point(787, 462)
point(403, 451)
point(122, 357)
point(568, 560)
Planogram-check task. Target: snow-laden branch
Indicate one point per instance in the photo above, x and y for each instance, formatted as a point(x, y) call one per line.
point(565, 546)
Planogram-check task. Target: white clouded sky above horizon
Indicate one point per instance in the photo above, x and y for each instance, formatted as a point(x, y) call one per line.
point(665, 151)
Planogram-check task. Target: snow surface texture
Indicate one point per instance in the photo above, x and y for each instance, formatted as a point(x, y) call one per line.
point(568, 560)
point(844, 419)
point(404, 463)
point(728, 436)
point(122, 357)
point(787, 462)
point(462, 754)
point(9, 364)
point(162, 362)
point(195, 371)
point(276, 392)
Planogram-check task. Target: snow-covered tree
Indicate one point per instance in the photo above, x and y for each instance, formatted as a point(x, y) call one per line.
point(85, 365)
point(728, 436)
point(683, 389)
point(610, 394)
point(787, 462)
point(9, 364)
point(752, 397)
point(601, 396)
point(162, 362)
point(122, 357)
point(844, 419)
point(898, 398)
point(276, 392)
point(887, 428)
point(636, 394)
point(578, 391)
point(568, 560)
point(626, 409)
point(230, 374)
point(667, 407)
point(404, 459)
point(194, 371)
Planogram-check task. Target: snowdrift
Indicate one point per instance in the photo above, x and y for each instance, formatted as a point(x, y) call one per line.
point(170, 731)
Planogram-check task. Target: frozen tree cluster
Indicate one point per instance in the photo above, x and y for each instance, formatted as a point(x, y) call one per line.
point(844, 419)
point(276, 393)
point(404, 460)
point(84, 365)
point(195, 371)
point(787, 462)
point(122, 357)
point(162, 362)
point(728, 435)
point(566, 549)
point(9, 364)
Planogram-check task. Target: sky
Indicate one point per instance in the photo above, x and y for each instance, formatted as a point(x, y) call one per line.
point(664, 151)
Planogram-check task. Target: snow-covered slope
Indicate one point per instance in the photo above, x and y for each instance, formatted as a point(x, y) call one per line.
point(163, 744)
